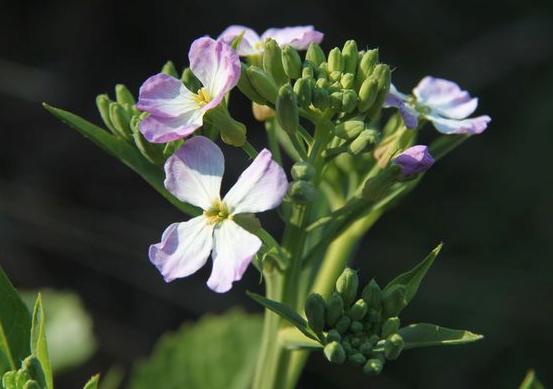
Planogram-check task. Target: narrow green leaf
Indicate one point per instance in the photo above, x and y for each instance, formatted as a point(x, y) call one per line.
point(39, 345)
point(285, 312)
point(15, 322)
point(426, 335)
point(93, 382)
point(531, 381)
point(123, 151)
point(413, 277)
point(293, 339)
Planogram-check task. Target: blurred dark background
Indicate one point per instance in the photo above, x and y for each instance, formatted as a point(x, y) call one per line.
point(72, 217)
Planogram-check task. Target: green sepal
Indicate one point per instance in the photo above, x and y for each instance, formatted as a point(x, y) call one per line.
point(120, 119)
point(302, 89)
point(292, 62)
point(123, 95)
point(287, 109)
point(232, 131)
point(35, 371)
point(150, 151)
point(262, 84)
point(315, 312)
point(349, 100)
point(8, 380)
point(39, 345)
point(315, 54)
point(394, 346)
point(531, 381)
point(102, 103)
point(272, 62)
point(372, 294)
point(334, 308)
point(93, 382)
point(351, 57)
point(303, 171)
point(427, 335)
point(365, 139)
point(334, 352)
point(320, 98)
point(190, 80)
point(335, 61)
point(367, 94)
point(366, 65)
point(170, 69)
point(384, 75)
point(245, 86)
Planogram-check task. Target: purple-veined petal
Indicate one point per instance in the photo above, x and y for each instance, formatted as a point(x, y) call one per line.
point(298, 37)
point(193, 173)
point(408, 113)
point(216, 65)
point(445, 98)
point(259, 188)
point(466, 126)
point(414, 160)
point(165, 96)
point(233, 250)
point(184, 248)
point(250, 43)
point(162, 130)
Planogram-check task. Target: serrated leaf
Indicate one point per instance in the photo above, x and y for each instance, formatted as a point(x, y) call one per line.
point(413, 277)
point(123, 151)
point(217, 352)
point(15, 322)
point(293, 339)
point(285, 312)
point(39, 345)
point(427, 335)
point(531, 381)
point(93, 382)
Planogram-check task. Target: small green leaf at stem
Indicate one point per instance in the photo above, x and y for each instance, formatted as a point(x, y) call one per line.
point(531, 381)
point(293, 339)
point(39, 345)
point(93, 382)
point(427, 335)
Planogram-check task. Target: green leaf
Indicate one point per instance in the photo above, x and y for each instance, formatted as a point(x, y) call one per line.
point(426, 335)
point(293, 339)
point(217, 352)
point(123, 151)
point(413, 277)
point(93, 382)
point(15, 322)
point(531, 381)
point(285, 312)
point(39, 346)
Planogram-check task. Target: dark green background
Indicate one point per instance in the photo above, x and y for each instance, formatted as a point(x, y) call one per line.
point(72, 217)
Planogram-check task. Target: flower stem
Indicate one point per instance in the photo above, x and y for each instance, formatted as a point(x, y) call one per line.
point(249, 149)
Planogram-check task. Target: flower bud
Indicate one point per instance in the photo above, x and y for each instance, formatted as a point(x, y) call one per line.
point(372, 294)
point(315, 312)
point(315, 54)
point(393, 301)
point(373, 316)
point(292, 62)
point(342, 325)
point(390, 326)
point(308, 70)
point(351, 57)
point(123, 95)
point(321, 71)
point(366, 65)
point(356, 327)
point(322, 83)
point(272, 62)
point(302, 191)
point(367, 94)
point(262, 84)
point(336, 100)
point(355, 341)
point(169, 68)
point(384, 81)
point(334, 308)
point(103, 102)
point(247, 88)
point(377, 187)
point(347, 347)
point(349, 130)
point(349, 100)
point(287, 109)
point(303, 171)
point(366, 138)
point(8, 380)
point(120, 120)
point(335, 77)
point(335, 61)
point(347, 81)
point(347, 285)
point(262, 112)
point(414, 160)
point(394, 346)
point(320, 98)
point(333, 336)
point(367, 346)
point(358, 310)
point(302, 89)
point(191, 81)
point(373, 367)
point(32, 385)
point(335, 353)
point(150, 151)
point(34, 369)
point(357, 359)
point(21, 377)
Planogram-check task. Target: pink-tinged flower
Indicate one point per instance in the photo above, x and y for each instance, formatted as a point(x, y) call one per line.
point(298, 37)
point(193, 175)
point(443, 103)
point(414, 160)
point(176, 112)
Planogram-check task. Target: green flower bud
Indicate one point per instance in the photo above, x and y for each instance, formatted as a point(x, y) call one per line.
point(315, 54)
point(336, 100)
point(347, 285)
point(120, 119)
point(191, 81)
point(322, 83)
point(308, 70)
point(302, 191)
point(21, 377)
point(103, 102)
point(390, 326)
point(334, 308)
point(33, 385)
point(292, 62)
point(349, 100)
point(333, 336)
point(335, 61)
point(349, 130)
point(320, 98)
point(303, 92)
point(366, 65)
point(342, 325)
point(394, 346)
point(287, 109)
point(357, 359)
point(366, 347)
point(384, 81)
point(272, 62)
point(335, 76)
point(358, 310)
point(367, 326)
point(303, 171)
point(373, 316)
point(351, 57)
point(347, 347)
point(393, 301)
point(247, 88)
point(377, 187)
point(262, 84)
point(347, 81)
point(373, 367)
point(315, 312)
point(335, 353)
point(8, 380)
point(372, 294)
point(149, 150)
point(355, 341)
point(367, 94)
point(356, 327)
point(365, 139)
point(123, 95)
point(34, 369)
point(169, 68)
point(321, 71)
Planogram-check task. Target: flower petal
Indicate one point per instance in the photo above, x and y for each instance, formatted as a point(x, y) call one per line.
point(216, 65)
point(298, 37)
point(408, 113)
point(233, 250)
point(162, 130)
point(193, 173)
point(445, 98)
point(259, 188)
point(165, 96)
point(467, 126)
point(184, 248)
point(414, 160)
point(250, 43)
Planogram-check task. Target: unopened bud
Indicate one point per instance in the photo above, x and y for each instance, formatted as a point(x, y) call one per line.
point(169, 68)
point(372, 294)
point(21, 377)
point(365, 139)
point(351, 57)
point(335, 76)
point(247, 88)
point(356, 327)
point(191, 81)
point(322, 83)
point(302, 191)
point(320, 98)
point(34, 369)
point(8, 380)
point(373, 316)
point(336, 100)
point(292, 62)
point(287, 109)
point(33, 385)
point(366, 65)
point(373, 367)
point(103, 102)
point(335, 61)
point(333, 336)
point(315, 312)
point(393, 301)
point(123, 95)
point(357, 359)
point(272, 62)
point(414, 160)
point(150, 151)
point(347, 81)
point(384, 81)
point(342, 325)
point(315, 54)
point(367, 346)
point(302, 89)
point(390, 326)
point(355, 341)
point(334, 352)
point(308, 70)
point(394, 346)
point(358, 310)
point(321, 71)
point(347, 285)
point(334, 308)
point(262, 84)
point(303, 171)
point(348, 348)
point(120, 120)
point(367, 94)
point(349, 130)
point(349, 100)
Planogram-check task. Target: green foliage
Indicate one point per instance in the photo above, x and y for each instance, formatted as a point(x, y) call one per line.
point(217, 352)
point(15, 322)
point(426, 335)
point(531, 381)
point(39, 345)
point(92, 383)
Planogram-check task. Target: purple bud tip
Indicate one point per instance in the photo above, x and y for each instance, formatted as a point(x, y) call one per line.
point(414, 160)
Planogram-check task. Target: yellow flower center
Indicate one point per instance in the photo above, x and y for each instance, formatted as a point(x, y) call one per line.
point(217, 213)
point(202, 98)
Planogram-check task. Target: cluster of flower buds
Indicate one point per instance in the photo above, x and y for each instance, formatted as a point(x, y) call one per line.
point(361, 331)
point(301, 189)
point(30, 376)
